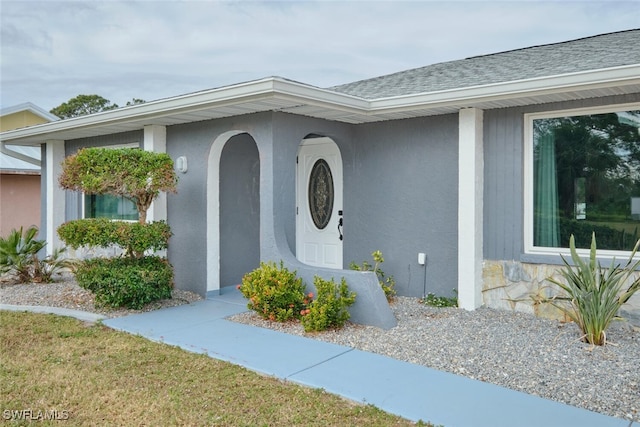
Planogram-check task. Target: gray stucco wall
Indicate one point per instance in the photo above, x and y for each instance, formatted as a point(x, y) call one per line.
point(400, 182)
point(400, 194)
point(401, 198)
point(187, 209)
point(239, 209)
point(504, 179)
point(277, 137)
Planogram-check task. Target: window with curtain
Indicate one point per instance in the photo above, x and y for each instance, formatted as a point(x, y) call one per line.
point(586, 178)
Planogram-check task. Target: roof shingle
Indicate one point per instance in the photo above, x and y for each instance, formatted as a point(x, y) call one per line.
point(590, 53)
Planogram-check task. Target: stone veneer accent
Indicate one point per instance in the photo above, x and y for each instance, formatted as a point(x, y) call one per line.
point(516, 286)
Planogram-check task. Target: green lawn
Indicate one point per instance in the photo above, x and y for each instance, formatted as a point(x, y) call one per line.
point(93, 375)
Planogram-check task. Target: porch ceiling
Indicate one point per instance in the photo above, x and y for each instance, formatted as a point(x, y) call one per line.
point(277, 94)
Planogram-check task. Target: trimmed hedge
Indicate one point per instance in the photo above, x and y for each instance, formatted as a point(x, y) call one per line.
point(133, 237)
point(126, 282)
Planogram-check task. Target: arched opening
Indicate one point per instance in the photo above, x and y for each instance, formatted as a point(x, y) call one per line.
point(233, 209)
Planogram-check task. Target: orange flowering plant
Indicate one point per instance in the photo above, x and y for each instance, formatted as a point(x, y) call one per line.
point(275, 293)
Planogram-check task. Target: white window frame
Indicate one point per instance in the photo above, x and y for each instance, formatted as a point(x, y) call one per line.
point(82, 195)
point(529, 248)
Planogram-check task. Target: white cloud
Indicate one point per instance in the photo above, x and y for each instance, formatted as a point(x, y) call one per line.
point(52, 51)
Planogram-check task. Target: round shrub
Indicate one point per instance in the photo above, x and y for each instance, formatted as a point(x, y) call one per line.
point(330, 308)
point(126, 282)
point(274, 292)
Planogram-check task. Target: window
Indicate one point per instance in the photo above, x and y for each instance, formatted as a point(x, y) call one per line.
point(108, 206)
point(583, 177)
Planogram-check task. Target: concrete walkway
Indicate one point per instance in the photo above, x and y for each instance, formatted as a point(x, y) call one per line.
point(411, 391)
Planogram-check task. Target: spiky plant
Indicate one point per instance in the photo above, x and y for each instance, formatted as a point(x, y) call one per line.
point(17, 252)
point(594, 294)
point(19, 257)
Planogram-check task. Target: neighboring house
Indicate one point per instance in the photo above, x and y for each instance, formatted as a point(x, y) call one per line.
point(483, 164)
point(20, 170)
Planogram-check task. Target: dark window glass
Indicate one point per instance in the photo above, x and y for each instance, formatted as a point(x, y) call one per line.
point(587, 179)
point(108, 206)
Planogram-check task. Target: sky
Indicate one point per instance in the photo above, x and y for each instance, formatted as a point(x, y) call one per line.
point(53, 51)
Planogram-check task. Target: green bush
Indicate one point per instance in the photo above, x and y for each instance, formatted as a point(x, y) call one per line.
point(330, 308)
point(594, 295)
point(274, 292)
point(19, 257)
point(126, 282)
point(135, 174)
point(133, 237)
point(386, 283)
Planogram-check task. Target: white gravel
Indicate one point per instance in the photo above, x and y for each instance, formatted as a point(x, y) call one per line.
point(515, 350)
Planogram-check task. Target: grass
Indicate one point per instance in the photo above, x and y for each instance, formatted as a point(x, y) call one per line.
point(94, 375)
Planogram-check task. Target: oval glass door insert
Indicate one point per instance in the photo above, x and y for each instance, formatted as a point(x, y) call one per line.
point(321, 194)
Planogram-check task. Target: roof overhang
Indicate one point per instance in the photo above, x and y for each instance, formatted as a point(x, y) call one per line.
point(30, 107)
point(277, 94)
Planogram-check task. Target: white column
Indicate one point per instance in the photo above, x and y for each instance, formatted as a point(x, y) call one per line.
point(155, 139)
point(470, 195)
point(55, 196)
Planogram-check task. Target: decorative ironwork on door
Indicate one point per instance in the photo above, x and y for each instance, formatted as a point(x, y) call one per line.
point(321, 194)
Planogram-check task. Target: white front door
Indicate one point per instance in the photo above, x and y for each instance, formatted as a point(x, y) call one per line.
point(319, 203)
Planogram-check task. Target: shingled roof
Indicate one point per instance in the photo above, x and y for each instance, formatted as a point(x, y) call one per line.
point(590, 53)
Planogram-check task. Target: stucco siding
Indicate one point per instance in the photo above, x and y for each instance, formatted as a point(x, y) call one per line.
point(402, 200)
point(288, 132)
point(187, 209)
point(239, 209)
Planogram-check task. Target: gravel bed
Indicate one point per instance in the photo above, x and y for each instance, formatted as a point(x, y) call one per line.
point(514, 350)
point(65, 293)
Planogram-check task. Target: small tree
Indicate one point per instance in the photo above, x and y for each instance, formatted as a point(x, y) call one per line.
point(138, 176)
point(128, 172)
point(82, 105)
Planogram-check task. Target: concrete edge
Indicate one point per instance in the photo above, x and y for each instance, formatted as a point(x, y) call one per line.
point(80, 315)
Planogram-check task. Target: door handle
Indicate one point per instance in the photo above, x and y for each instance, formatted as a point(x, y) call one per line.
point(340, 225)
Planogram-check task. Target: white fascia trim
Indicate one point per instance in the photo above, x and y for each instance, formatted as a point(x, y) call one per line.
point(301, 94)
point(229, 95)
point(593, 79)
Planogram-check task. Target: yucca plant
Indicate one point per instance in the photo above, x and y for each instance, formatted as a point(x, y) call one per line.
point(17, 252)
point(594, 294)
point(19, 257)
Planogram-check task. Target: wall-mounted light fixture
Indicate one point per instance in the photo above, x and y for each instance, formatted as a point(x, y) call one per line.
point(181, 164)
